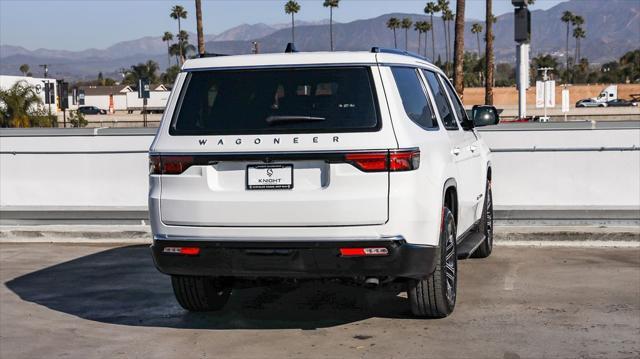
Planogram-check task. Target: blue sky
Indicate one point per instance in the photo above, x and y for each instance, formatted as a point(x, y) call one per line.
point(82, 24)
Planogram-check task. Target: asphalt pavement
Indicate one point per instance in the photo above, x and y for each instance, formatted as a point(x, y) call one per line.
point(108, 301)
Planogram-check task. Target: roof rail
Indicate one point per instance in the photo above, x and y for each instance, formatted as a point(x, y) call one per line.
point(382, 50)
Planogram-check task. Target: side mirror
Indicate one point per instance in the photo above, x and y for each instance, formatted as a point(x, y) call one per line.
point(485, 115)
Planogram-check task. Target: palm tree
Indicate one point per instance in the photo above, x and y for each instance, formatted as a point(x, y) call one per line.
point(577, 23)
point(419, 26)
point(331, 4)
point(140, 71)
point(183, 38)
point(578, 33)
point(406, 25)
point(24, 68)
point(178, 12)
point(292, 7)
point(167, 37)
point(567, 17)
point(431, 9)
point(17, 104)
point(488, 84)
point(199, 30)
point(458, 48)
point(184, 48)
point(447, 16)
point(427, 28)
point(174, 50)
point(393, 24)
point(477, 29)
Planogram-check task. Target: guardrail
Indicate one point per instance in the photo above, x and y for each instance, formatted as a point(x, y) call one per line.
point(584, 170)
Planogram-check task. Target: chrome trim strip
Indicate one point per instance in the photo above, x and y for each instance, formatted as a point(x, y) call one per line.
point(161, 237)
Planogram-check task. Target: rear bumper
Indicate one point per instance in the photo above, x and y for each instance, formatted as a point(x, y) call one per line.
point(297, 259)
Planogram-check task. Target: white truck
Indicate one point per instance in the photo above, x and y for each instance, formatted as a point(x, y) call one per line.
point(609, 94)
point(359, 166)
point(156, 102)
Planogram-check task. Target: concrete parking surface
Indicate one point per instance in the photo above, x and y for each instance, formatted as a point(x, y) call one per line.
point(87, 301)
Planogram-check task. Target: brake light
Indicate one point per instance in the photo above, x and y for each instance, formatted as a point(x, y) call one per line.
point(169, 165)
point(379, 161)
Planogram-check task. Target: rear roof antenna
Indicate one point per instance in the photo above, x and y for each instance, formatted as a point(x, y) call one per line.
point(291, 47)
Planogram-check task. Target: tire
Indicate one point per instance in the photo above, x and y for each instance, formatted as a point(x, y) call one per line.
point(200, 294)
point(486, 226)
point(435, 296)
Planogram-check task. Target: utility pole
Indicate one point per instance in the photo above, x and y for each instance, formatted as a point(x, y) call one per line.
point(522, 36)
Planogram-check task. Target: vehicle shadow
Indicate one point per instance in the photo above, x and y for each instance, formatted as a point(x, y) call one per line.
point(122, 286)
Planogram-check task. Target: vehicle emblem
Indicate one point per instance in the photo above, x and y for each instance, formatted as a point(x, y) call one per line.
point(269, 172)
point(202, 142)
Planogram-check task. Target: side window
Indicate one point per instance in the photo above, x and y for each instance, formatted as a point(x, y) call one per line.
point(457, 105)
point(444, 108)
point(413, 97)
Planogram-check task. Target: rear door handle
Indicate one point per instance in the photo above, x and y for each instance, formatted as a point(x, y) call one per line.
point(456, 151)
point(473, 148)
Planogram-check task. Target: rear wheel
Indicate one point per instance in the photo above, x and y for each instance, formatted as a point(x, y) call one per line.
point(201, 294)
point(435, 296)
point(486, 226)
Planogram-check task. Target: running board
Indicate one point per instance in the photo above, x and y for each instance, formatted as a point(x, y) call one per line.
point(470, 244)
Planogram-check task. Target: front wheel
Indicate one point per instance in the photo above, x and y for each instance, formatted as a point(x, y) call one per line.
point(200, 294)
point(435, 296)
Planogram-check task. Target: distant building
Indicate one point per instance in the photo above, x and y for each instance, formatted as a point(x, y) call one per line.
point(46, 88)
point(103, 97)
point(118, 97)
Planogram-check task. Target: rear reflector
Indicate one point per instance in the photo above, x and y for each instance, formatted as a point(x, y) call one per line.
point(362, 252)
point(189, 251)
point(382, 161)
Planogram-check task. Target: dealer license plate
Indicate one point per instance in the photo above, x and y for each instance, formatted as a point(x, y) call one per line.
point(270, 176)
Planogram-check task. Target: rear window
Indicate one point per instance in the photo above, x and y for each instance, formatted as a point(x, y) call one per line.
point(292, 100)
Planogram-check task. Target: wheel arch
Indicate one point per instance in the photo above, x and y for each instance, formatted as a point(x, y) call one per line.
point(450, 197)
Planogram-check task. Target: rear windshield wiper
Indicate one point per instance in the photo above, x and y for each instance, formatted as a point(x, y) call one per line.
point(285, 119)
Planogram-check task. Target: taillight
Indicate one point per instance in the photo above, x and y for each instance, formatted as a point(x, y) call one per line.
point(404, 160)
point(379, 161)
point(369, 161)
point(169, 165)
point(155, 165)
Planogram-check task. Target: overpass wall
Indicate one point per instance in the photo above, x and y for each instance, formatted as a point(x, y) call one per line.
point(534, 168)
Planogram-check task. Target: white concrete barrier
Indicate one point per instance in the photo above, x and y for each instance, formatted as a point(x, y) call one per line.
point(534, 168)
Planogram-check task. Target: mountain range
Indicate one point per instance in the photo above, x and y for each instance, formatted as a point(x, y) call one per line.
point(612, 27)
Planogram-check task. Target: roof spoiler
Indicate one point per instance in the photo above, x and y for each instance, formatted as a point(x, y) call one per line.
point(382, 50)
point(208, 54)
point(291, 48)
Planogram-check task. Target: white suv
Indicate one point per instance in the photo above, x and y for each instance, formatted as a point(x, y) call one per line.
point(361, 166)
